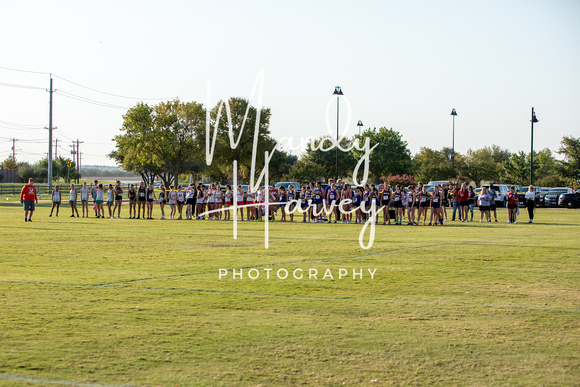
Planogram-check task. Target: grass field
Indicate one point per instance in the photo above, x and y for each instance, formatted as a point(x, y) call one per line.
point(139, 302)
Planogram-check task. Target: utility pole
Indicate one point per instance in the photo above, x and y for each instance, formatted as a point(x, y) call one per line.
point(78, 159)
point(73, 152)
point(14, 149)
point(50, 136)
point(56, 148)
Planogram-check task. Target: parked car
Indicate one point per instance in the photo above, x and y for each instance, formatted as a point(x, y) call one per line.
point(542, 191)
point(569, 199)
point(286, 184)
point(551, 198)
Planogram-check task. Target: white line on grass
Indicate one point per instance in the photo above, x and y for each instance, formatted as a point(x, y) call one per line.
point(310, 261)
point(546, 308)
point(47, 381)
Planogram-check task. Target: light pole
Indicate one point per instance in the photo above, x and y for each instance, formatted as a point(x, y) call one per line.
point(534, 119)
point(360, 125)
point(453, 113)
point(338, 93)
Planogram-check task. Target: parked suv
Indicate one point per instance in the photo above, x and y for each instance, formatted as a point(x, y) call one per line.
point(569, 199)
point(551, 198)
point(502, 191)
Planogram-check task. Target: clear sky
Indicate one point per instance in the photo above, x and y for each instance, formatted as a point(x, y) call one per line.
point(402, 64)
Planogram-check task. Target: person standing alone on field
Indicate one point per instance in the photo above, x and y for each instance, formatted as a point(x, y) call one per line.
point(28, 198)
point(531, 202)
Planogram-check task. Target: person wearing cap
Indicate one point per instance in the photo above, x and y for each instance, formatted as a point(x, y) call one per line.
point(28, 197)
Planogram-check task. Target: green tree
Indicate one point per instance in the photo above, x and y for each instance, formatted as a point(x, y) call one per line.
point(431, 164)
point(517, 168)
point(60, 168)
point(306, 170)
point(545, 164)
point(318, 157)
point(478, 165)
point(570, 166)
point(10, 164)
point(243, 134)
point(160, 140)
point(391, 156)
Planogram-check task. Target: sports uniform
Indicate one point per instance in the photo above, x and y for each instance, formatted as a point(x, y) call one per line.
point(84, 195)
point(397, 199)
point(142, 193)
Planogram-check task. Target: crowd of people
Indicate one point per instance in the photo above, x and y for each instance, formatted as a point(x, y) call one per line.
point(337, 202)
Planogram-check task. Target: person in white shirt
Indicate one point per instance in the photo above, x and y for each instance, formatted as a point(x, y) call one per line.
point(531, 202)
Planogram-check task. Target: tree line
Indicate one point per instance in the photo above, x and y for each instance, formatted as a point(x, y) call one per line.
point(168, 141)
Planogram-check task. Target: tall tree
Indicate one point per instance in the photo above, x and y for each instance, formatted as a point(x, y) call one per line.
point(10, 164)
point(159, 140)
point(391, 156)
point(306, 170)
point(517, 168)
point(243, 134)
point(479, 165)
point(323, 154)
point(570, 149)
point(431, 164)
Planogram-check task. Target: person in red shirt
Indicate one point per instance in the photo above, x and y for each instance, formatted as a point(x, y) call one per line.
point(463, 202)
point(512, 204)
point(28, 198)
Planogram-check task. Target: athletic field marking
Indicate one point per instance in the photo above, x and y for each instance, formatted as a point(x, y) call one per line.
point(46, 381)
point(310, 261)
point(545, 308)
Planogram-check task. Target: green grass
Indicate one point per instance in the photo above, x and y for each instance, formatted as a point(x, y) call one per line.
point(139, 302)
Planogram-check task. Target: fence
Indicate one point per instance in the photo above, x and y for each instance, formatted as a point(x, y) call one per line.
point(14, 189)
point(10, 176)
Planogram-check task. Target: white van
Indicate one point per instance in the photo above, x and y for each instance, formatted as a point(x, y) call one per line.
point(502, 191)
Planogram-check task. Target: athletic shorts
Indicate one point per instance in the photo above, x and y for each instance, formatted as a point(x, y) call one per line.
point(248, 202)
point(72, 201)
point(56, 202)
point(462, 204)
point(483, 208)
point(119, 197)
point(29, 205)
point(240, 203)
point(150, 200)
point(228, 203)
point(84, 201)
point(141, 199)
point(108, 201)
point(424, 204)
point(492, 207)
point(164, 201)
point(512, 206)
point(445, 203)
point(190, 201)
point(180, 202)
point(435, 205)
point(171, 202)
point(98, 201)
point(385, 202)
point(397, 204)
point(317, 201)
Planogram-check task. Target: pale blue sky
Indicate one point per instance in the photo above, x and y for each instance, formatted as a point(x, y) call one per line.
point(402, 64)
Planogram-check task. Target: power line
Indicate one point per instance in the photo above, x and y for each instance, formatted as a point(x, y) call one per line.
point(91, 101)
point(24, 71)
point(111, 94)
point(21, 86)
point(21, 125)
